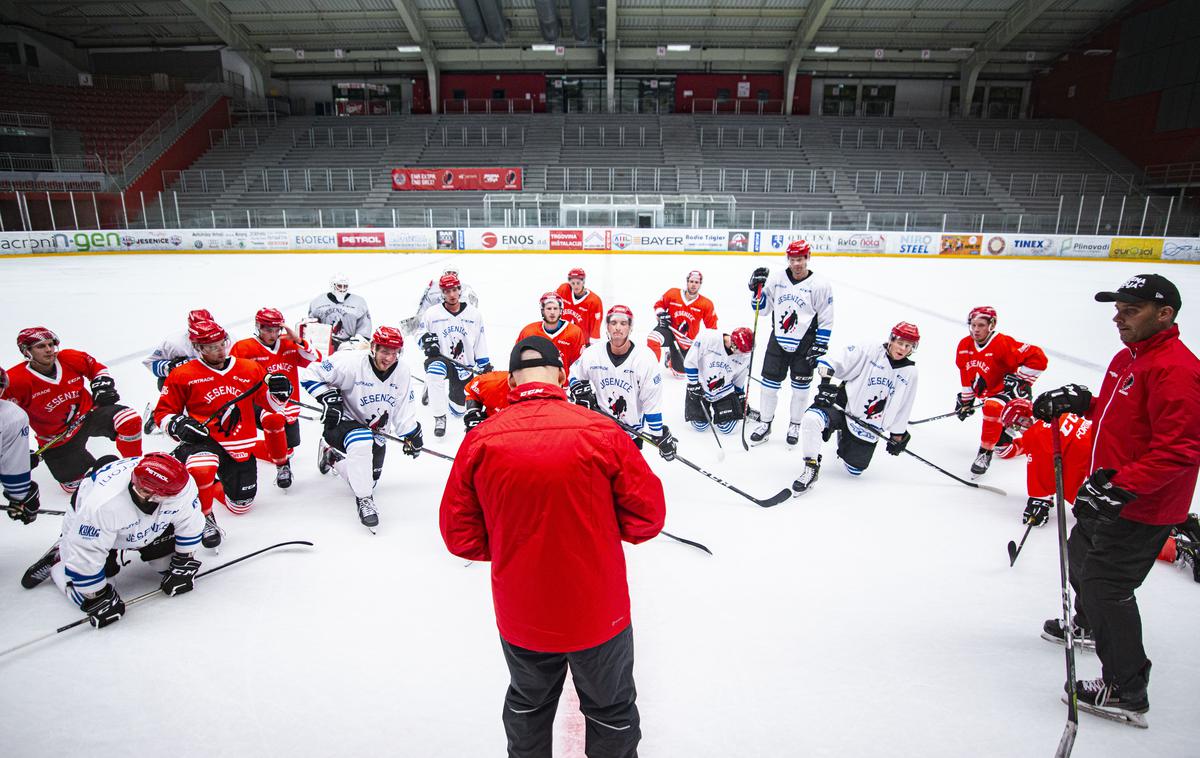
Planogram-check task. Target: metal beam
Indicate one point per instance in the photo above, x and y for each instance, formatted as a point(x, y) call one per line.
point(1019, 17)
point(411, 17)
point(216, 18)
point(813, 18)
point(611, 46)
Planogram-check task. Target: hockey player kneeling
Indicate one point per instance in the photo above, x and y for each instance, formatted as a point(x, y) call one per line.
point(147, 505)
point(879, 382)
point(717, 367)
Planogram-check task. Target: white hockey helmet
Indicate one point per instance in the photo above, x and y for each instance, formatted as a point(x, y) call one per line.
point(339, 283)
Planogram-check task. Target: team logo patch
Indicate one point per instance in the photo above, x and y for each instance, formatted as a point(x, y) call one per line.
point(1127, 385)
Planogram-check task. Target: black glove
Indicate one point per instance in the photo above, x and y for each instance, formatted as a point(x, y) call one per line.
point(1015, 387)
point(582, 394)
point(964, 406)
point(815, 352)
point(1070, 398)
point(229, 420)
point(34, 460)
point(428, 343)
point(26, 509)
point(667, 444)
point(826, 394)
point(758, 279)
point(280, 387)
point(474, 417)
point(1037, 510)
point(1100, 499)
point(664, 319)
point(486, 368)
point(331, 408)
point(179, 577)
point(693, 404)
point(104, 608)
point(896, 446)
point(414, 442)
point(104, 391)
point(187, 429)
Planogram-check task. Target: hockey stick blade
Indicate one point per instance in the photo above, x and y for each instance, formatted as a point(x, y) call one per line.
point(152, 593)
point(681, 540)
point(782, 496)
point(1067, 742)
point(1012, 552)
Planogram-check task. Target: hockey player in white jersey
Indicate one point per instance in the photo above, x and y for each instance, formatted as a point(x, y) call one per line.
point(622, 380)
point(346, 314)
point(455, 349)
point(363, 392)
point(433, 296)
point(875, 382)
point(171, 352)
point(146, 504)
point(20, 490)
point(800, 304)
point(717, 367)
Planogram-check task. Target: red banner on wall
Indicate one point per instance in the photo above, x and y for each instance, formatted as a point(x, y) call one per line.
point(445, 179)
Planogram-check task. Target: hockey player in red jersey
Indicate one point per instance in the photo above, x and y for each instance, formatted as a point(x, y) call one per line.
point(50, 387)
point(567, 337)
point(680, 315)
point(994, 368)
point(279, 350)
point(487, 395)
point(1035, 441)
point(581, 306)
point(217, 436)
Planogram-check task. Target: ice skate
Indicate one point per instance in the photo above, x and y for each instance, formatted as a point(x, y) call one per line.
point(1108, 701)
point(761, 433)
point(793, 434)
point(367, 513)
point(439, 426)
point(326, 455)
point(40, 570)
point(1052, 631)
point(283, 475)
point(982, 461)
point(808, 477)
point(211, 536)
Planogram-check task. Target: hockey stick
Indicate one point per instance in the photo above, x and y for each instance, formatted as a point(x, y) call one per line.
point(883, 436)
point(750, 367)
point(713, 427)
point(780, 497)
point(71, 427)
point(1014, 549)
point(665, 533)
point(385, 435)
point(944, 415)
point(151, 593)
point(1067, 741)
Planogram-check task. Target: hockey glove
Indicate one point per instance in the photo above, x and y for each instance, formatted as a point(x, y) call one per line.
point(693, 408)
point(162, 546)
point(897, 443)
point(229, 420)
point(816, 351)
point(758, 279)
point(485, 368)
point(184, 428)
point(414, 442)
point(429, 345)
point(280, 387)
point(179, 577)
point(1070, 398)
point(667, 444)
point(26, 509)
point(1037, 511)
point(582, 394)
point(175, 363)
point(103, 608)
point(727, 409)
point(664, 319)
point(474, 417)
point(104, 391)
point(1016, 386)
point(964, 406)
point(826, 394)
point(331, 408)
point(1100, 499)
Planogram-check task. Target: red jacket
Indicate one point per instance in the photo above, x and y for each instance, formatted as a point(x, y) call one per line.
point(546, 491)
point(1148, 427)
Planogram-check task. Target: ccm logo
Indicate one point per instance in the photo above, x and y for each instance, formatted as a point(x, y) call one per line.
point(359, 239)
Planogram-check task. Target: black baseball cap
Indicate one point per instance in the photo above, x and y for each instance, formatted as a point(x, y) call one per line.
point(548, 354)
point(1144, 288)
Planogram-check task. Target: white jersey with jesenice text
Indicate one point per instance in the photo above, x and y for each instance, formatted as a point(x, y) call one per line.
point(460, 335)
point(794, 306)
point(714, 368)
point(879, 390)
point(433, 296)
point(365, 396)
point(14, 450)
point(349, 316)
point(628, 388)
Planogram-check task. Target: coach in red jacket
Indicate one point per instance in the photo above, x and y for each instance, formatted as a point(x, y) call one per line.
point(546, 491)
point(1144, 460)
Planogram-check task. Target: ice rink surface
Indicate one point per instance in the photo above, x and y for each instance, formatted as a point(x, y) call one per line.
point(872, 617)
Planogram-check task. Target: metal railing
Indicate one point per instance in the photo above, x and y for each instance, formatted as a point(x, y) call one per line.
point(887, 139)
point(740, 106)
point(471, 136)
point(612, 179)
point(40, 162)
point(605, 135)
point(24, 120)
point(914, 182)
point(1026, 140)
point(482, 105)
point(762, 136)
point(239, 137)
point(99, 81)
point(1173, 173)
point(143, 150)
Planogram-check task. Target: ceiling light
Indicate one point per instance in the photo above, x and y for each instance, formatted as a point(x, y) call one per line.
point(281, 50)
point(1098, 51)
point(826, 49)
point(678, 48)
point(408, 48)
point(962, 49)
point(540, 48)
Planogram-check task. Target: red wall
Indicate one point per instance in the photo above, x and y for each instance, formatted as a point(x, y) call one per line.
point(480, 86)
point(704, 89)
point(190, 146)
point(1127, 124)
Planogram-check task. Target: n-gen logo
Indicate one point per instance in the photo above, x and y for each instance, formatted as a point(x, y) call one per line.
point(88, 532)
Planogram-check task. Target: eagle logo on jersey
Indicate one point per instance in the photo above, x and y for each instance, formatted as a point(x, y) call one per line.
point(789, 321)
point(979, 385)
point(618, 406)
point(874, 407)
point(684, 324)
point(1126, 385)
point(716, 383)
point(457, 351)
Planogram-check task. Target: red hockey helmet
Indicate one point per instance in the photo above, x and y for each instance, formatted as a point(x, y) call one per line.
point(206, 333)
point(27, 338)
point(269, 317)
point(799, 249)
point(550, 297)
point(742, 339)
point(160, 475)
point(576, 273)
point(908, 332)
point(1017, 413)
point(200, 314)
point(449, 281)
point(982, 310)
point(3, 381)
point(696, 274)
point(388, 336)
point(619, 310)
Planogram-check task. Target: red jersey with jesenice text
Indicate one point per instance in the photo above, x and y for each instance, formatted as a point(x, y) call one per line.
point(586, 312)
point(1037, 445)
point(568, 339)
point(982, 368)
point(53, 402)
point(686, 316)
point(286, 358)
point(489, 390)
